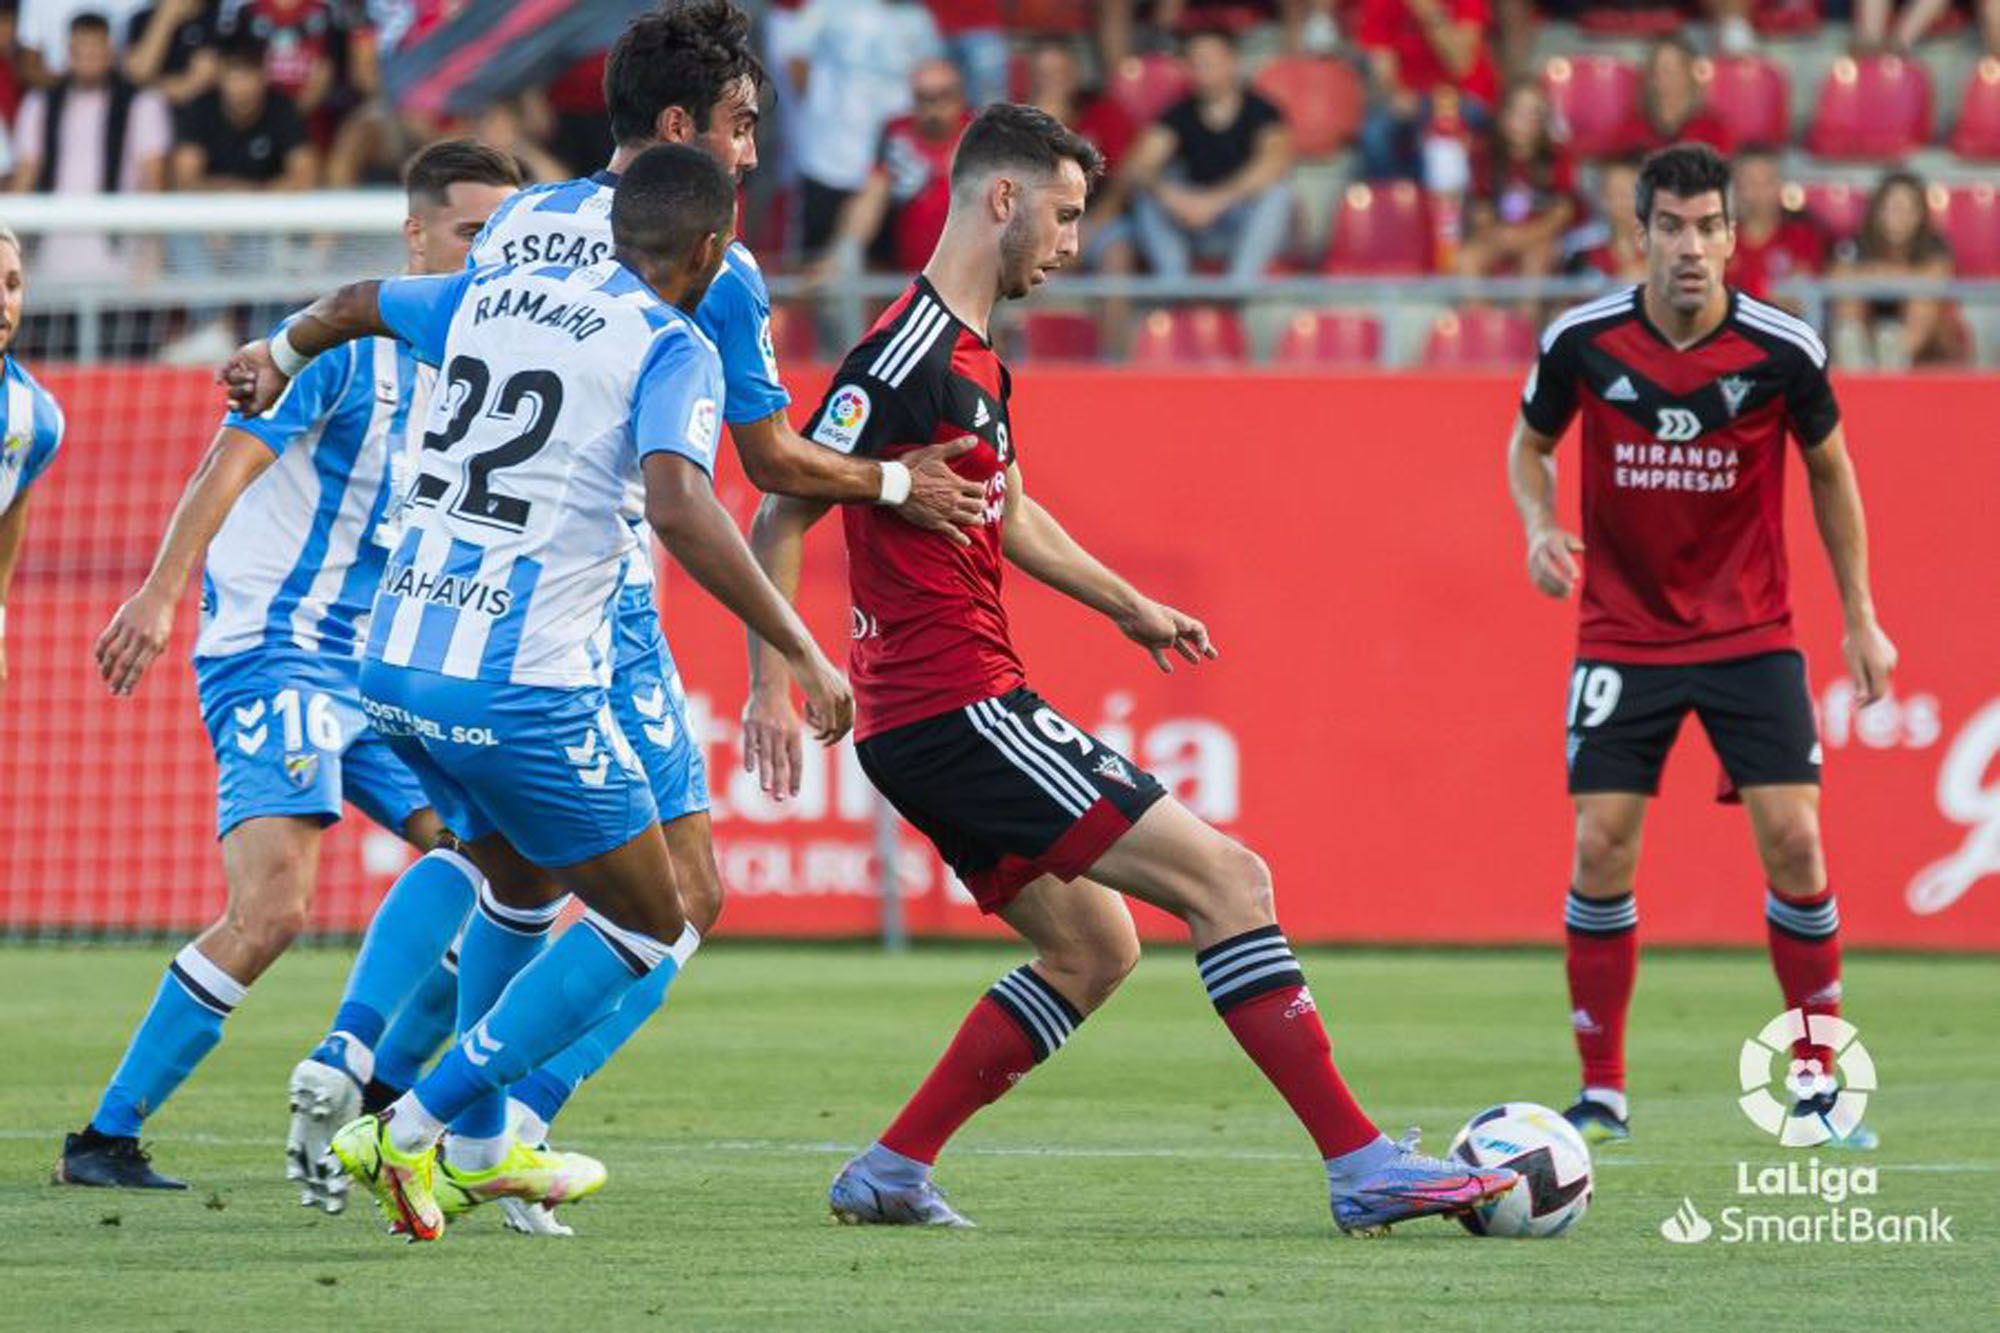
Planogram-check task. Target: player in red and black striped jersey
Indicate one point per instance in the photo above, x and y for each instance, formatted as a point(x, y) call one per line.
point(1687, 391)
point(1045, 823)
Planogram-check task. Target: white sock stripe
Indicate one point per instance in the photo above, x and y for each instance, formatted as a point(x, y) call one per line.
point(1223, 990)
point(645, 948)
point(1060, 762)
point(918, 312)
point(1213, 977)
point(459, 862)
point(1028, 996)
point(1005, 745)
point(520, 920)
point(1037, 1025)
point(1035, 982)
point(1822, 919)
point(1598, 915)
point(218, 984)
point(1236, 949)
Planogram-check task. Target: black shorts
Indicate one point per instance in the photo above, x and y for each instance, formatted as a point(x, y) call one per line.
point(1008, 790)
point(1756, 710)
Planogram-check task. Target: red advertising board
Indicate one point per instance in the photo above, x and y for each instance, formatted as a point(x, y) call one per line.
point(1384, 725)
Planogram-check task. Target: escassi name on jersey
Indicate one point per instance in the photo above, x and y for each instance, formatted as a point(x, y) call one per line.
point(451, 590)
point(1674, 467)
point(579, 321)
point(555, 248)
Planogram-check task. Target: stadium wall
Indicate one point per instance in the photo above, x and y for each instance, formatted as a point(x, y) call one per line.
point(1385, 723)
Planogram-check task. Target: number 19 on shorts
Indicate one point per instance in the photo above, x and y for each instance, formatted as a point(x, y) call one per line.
point(1593, 695)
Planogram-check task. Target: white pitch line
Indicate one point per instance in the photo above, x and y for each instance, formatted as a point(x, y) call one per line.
point(1104, 1152)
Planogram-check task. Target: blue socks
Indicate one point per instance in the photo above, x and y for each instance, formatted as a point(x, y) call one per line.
point(499, 942)
point(425, 1022)
point(416, 922)
point(572, 988)
point(547, 1089)
point(182, 1026)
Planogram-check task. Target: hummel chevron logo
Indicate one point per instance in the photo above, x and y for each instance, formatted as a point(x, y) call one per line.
point(592, 764)
point(653, 704)
point(480, 1046)
point(1621, 391)
point(252, 741)
point(250, 714)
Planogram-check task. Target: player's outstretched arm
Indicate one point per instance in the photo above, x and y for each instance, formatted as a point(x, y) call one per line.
point(256, 376)
point(770, 726)
point(921, 487)
point(139, 631)
point(1039, 547)
point(1531, 480)
point(1843, 529)
point(698, 532)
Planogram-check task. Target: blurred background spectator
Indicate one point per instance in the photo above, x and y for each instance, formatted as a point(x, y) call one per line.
point(170, 46)
point(1773, 243)
point(1609, 243)
point(894, 220)
point(244, 134)
point(1524, 191)
point(1414, 48)
point(1670, 108)
point(975, 40)
point(1897, 239)
point(1208, 180)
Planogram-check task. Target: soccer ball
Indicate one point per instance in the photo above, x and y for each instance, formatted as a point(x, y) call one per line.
point(1550, 1155)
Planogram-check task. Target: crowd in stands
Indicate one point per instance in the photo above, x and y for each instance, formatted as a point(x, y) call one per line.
point(1386, 138)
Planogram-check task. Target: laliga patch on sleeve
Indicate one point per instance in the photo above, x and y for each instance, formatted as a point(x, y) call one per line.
point(846, 414)
point(702, 428)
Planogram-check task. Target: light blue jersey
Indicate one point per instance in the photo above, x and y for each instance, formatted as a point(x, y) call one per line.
point(31, 432)
point(296, 562)
point(555, 383)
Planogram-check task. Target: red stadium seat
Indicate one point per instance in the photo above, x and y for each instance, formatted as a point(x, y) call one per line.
point(1058, 335)
point(1786, 18)
point(1147, 85)
point(1380, 228)
point(793, 337)
point(1969, 216)
point(1330, 340)
point(1618, 21)
point(1978, 132)
point(1593, 97)
point(1839, 206)
point(1479, 338)
point(1190, 337)
point(1871, 108)
point(1751, 95)
point(1322, 101)
point(1060, 18)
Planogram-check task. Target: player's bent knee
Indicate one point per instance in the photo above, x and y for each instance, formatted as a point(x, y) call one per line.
point(1605, 858)
point(1794, 858)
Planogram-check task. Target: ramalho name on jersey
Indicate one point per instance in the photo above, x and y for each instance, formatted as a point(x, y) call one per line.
point(930, 630)
point(296, 562)
point(30, 433)
point(1683, 472)
point(554, 382)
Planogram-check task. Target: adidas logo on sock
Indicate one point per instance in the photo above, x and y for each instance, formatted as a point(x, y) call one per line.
point(1581, 1020)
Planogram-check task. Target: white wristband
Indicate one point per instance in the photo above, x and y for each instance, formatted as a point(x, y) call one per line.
point(289, 360)
point(895, 484)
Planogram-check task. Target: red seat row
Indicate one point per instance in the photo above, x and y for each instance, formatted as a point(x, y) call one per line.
point(1212, 338)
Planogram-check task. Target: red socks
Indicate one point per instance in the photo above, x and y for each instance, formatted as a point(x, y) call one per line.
point(1602, 939)
point(1804, 935)
point(1015, 1026)
point(1256, 985)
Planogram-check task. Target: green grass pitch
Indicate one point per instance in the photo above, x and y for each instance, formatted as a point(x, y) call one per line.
point(1146, 1178)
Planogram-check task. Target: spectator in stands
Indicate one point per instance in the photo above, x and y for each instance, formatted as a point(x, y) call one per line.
point(1209, 178)
point(896, 218)
point(1130, 27)
point(1772, 244)
point(975, 39)
point(43, 29)
point(1414, 48)
point(1523, 191)
point(1873, 32)
point(853, 60)
point(1670, 107)
point(516, 126)
point(299, 37)
point(1898, 240)
point(91, 131)
point(1055, 85)
point(171, 46)
point(1609, 243)
point(245, 134)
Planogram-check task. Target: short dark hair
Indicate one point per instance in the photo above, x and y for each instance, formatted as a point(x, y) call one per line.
point(89, 21)
point(448, 162)
point(243, 47)
point(669, 199)
point(1007, 134)
point(685, 53)
point(1686, 170)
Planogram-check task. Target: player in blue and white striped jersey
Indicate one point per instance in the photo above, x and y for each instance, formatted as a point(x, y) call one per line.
point(488, 661)
point(31, 429)
point(294, 510)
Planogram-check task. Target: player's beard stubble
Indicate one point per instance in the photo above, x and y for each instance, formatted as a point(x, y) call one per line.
point(1017, 258)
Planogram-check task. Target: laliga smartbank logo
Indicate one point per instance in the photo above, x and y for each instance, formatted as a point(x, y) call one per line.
point(1817, 1106)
